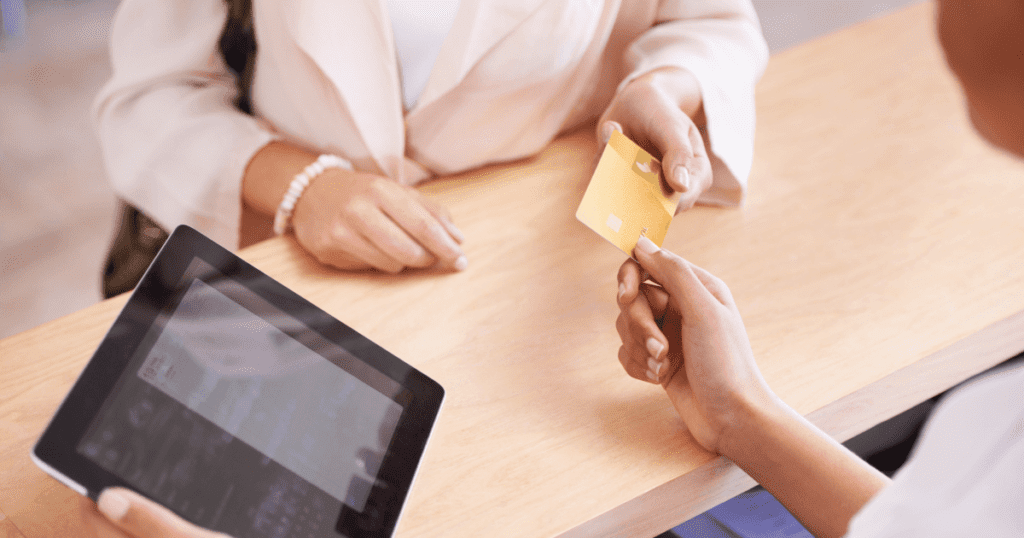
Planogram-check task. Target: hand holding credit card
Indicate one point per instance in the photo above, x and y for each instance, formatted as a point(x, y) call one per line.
point(625, 198)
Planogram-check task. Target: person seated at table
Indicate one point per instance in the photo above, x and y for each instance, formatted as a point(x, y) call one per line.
point(366, 98)
point(964, 476)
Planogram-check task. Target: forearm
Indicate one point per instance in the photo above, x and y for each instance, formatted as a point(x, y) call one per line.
point(269, 173)
point(817, 479)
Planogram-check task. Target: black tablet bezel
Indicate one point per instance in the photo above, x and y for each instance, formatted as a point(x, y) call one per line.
point(159, 287)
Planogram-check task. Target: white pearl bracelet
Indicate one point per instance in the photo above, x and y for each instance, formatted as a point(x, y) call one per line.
point(283, 217)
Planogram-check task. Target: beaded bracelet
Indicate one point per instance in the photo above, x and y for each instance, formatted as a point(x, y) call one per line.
point(283, 217)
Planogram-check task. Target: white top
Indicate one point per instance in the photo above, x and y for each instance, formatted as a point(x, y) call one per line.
point(420, 27)
point(966, 474)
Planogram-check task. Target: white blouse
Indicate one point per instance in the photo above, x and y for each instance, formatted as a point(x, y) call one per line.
point(420, 27)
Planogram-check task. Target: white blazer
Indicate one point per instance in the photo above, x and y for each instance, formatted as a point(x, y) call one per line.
point(511, 76)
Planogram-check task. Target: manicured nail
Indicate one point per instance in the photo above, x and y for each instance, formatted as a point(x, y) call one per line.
point(622, 290)
point(607, 129)
point(652, 376)
point(646, 246)
point(653, 367)
point(683, 178)
point(113, 504)
point(461, 263)
point(654, 347)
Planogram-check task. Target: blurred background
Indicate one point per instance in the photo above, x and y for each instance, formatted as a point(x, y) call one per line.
point(57, 212)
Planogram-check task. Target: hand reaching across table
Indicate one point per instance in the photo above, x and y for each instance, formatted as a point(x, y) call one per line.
point(685, 333)
point(660, 111)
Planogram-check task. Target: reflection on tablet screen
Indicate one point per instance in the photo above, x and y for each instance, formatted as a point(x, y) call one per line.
point(258, 384)
point(281, 421)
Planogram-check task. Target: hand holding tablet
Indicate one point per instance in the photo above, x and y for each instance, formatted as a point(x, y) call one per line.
point(140, 517)
point(241, 407)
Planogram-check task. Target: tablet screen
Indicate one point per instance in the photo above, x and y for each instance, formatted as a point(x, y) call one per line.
point(224, 384)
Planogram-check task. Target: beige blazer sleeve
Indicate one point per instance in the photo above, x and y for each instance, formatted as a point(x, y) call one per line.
point(172, 142)
point(721, 43)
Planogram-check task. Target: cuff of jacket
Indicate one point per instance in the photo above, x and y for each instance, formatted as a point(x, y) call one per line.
point(727, 76)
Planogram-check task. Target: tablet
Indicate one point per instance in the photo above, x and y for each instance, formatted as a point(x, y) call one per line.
point(243, 408)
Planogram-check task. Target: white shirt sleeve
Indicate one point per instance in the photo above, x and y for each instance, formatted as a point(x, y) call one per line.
point(965, 476)
point(173, 142)
point(720, 42)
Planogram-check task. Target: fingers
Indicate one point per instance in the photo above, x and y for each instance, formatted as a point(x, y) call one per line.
point(670, 133)
point(643, 352)
point(675, 274)
point(605, 130)
point(425, 227)
point(343, 247)
point(358, 221)
point(630, 277)
point(642, 357)
point(655, 115)
point(442, 214)
point(635, 369)
point(143, 518)
point(658, 298)
point(390, 239)
point(686, 164)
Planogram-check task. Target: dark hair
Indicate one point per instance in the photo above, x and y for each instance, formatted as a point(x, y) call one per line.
point(238, 47)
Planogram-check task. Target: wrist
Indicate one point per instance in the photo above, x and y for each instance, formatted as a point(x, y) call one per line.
point(283, 215)
point(270, 172)
point(748, 420)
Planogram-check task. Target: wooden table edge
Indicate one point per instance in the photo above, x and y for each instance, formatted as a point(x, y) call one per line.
point(718, 480)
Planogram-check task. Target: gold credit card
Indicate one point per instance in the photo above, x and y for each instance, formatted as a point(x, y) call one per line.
point(625, 198)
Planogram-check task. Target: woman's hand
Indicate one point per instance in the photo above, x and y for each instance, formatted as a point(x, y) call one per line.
point(658, 111)
point(142, 518)
point(355, 220)
point(687, 335)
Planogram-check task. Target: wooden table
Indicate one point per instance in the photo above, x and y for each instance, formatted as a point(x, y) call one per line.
point(877, 262)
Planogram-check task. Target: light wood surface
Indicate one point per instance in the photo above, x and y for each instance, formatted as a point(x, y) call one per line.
point(7, 528)
point(876, 263)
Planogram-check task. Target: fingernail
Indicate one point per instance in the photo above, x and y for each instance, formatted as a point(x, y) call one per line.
point(607, 129)
point(653, 367)
point(683, 178)
point(654, 347)
point(646, 246)
point(461, 263)
point(622, 290)
point(113, 504)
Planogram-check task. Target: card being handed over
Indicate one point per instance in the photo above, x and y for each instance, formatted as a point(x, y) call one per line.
point(626, 197)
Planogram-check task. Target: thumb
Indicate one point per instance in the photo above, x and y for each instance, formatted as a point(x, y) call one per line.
point(672, 272)
point(143, 518)
point(679, 152)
